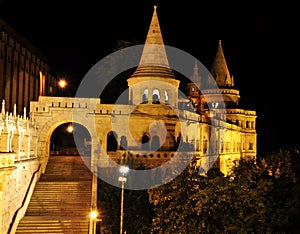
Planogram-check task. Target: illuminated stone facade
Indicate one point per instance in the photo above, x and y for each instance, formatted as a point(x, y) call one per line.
point(155, 125)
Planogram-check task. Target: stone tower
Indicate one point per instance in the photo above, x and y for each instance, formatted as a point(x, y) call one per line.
point(153, 82)
point(224, 81)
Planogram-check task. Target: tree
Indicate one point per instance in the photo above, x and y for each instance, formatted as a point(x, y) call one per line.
point(138, 212)
point(174, 211)
point(257, 197)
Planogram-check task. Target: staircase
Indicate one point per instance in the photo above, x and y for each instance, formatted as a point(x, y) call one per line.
point(61, 199)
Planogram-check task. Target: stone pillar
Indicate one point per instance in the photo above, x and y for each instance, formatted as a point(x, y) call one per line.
point(26, 145)
point(6, 168)
point(4, 141)
point(15, 144)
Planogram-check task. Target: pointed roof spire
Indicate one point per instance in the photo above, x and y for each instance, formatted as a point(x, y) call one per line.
point(154, 61)
point(3, 107)
point(154, 35)
point(15, 110)
point(220, 70)
point(196, 77)
point(24, 113)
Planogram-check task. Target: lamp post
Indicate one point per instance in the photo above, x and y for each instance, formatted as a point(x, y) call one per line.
point(94, 218)
point(124, 170)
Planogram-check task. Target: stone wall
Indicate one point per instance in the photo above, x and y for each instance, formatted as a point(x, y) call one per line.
point(15, 190)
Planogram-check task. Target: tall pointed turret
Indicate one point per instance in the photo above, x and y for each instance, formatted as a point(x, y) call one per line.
point(154, 61)
point(220, 70)
point(153, 82)
point(196, 77)
point(224, 83)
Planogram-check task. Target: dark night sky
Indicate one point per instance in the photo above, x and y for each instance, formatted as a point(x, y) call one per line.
point(258, 38)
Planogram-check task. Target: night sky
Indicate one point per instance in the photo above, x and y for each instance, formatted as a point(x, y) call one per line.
point(258, 39)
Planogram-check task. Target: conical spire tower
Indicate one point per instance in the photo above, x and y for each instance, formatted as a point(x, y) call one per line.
point(154, 61)
point(224, 82)
point(153, 82)
point(220, 70)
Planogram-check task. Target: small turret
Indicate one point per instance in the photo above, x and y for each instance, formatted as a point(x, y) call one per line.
point(220, 70)
point(223, 92)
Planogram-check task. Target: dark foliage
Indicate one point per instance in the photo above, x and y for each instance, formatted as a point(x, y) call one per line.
point(257, 197)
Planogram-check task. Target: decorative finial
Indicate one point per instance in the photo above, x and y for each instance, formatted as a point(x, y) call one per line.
point(15, 110)
point(24, 113)
point(3, 107)
point(220, 42)
point(155, 7)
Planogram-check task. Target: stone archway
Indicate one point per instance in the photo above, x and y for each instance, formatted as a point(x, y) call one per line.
point(145, 142)
point(70, 139)
point(112, 142)
point(50, 112)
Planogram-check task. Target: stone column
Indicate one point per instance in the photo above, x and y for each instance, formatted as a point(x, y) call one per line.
point(7, 166)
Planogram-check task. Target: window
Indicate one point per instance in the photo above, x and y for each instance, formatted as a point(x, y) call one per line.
point(145, 142)
point(145, 97)
point(112, 144)
point(166, 98)
point(155, 97)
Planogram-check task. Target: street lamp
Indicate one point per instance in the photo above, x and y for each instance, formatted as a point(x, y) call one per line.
point(70, 128)
point(95, 219)
point(124, 170)
point(62, 84)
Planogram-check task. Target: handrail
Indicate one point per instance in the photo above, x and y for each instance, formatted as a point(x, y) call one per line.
point(23, 202)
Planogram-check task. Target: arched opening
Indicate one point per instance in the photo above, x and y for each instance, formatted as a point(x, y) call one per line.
point(123, 143)
point(112, 143)
point(145, 97)
point(205, 145)
point(155, 97)
point(145, 142)
point(166, 98)
point(70, 139)
point(155, 144)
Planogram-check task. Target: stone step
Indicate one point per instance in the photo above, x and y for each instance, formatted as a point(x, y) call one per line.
point(57, 207)
point(59, 189)
point(56, 230)
point(61, 199)
point(40, 225)
point(66, 213)
point(62, 183)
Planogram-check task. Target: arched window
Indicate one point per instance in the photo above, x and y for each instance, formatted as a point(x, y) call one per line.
point(145, 97)
point(155, 97)
point(145, 142)
point(112, 143)
point(166, 98)
point(155, 144)
point(123, 143)
point(205, 145)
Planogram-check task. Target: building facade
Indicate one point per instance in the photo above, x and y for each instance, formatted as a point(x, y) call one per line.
point(207, 120)
point(156, 126)
point(24, 71)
